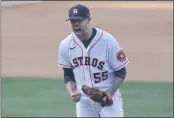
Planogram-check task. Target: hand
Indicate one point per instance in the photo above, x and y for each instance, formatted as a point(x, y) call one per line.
point(107, 99)
point(109, 95)
point(75, 96)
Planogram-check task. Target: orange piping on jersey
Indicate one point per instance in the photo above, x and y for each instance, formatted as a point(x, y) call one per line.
point(65, 65)
point(82, 56)
point(89, 56)
point(121, 65)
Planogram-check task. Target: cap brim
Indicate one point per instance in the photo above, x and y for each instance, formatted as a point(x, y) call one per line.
point(75, 18)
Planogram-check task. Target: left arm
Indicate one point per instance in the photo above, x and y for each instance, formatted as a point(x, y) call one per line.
point(118, 61)
point(120, 75)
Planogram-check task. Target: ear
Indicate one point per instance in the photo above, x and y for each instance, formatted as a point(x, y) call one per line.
point(89, 19)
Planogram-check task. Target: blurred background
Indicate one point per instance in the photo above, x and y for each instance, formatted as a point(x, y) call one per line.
point(32, 83)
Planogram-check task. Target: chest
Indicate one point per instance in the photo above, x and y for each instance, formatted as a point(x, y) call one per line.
point(94, 55)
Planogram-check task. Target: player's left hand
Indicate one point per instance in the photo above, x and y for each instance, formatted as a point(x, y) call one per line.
point(104, 98)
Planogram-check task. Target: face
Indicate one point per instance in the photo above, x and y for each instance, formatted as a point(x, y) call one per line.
point(80, 27)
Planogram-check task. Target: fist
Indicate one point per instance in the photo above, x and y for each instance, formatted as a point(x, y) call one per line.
point(75, 96)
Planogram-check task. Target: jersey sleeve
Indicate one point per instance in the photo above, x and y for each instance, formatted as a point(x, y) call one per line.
point(63, 58)
point(117, 57)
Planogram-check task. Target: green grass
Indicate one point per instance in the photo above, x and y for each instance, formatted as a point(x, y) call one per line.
point(48, 98)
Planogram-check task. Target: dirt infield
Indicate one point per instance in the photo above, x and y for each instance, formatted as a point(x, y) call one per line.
point(31, 35)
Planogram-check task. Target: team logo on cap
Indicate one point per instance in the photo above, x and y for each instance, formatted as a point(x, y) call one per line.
point(75, 11)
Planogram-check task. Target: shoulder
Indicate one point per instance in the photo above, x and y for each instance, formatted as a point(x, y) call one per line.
point(66, 41)
point(106, 36)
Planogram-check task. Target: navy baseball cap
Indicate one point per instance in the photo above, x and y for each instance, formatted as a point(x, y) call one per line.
point(78, 12)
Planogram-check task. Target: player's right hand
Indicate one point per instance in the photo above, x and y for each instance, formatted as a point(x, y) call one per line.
point(75, 96)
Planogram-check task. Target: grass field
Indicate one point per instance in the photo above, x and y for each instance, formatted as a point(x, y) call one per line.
point(48, 98)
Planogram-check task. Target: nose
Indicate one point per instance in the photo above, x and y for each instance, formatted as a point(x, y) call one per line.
point(76, 22)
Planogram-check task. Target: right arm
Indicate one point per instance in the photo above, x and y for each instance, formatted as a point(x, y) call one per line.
point(69, 80)
point(70, 83)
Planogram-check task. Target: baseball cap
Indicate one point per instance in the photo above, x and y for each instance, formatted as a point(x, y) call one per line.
point(78, 12)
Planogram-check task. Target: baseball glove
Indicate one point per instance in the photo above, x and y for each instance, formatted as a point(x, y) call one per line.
point(97, 95)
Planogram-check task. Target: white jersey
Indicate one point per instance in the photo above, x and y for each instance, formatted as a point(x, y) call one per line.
point(93, 66)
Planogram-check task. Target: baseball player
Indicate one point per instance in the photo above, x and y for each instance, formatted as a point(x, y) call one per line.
point(94, 67)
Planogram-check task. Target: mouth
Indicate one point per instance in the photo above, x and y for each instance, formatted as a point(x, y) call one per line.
point(77, 30)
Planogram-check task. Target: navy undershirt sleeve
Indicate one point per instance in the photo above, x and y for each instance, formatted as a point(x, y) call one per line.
point(121, 73)
point(68, 75)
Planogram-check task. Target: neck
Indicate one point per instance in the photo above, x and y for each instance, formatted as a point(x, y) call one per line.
point(87, 34)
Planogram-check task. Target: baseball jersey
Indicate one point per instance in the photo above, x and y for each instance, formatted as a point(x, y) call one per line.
point(93, 66)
